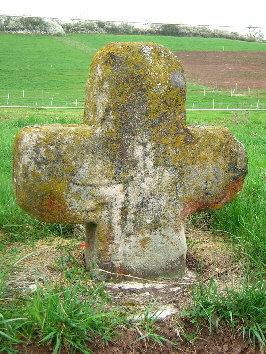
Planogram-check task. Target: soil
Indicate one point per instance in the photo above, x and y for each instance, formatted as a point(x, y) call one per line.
point(225, 69)
point(219, 343)
point(207, 253)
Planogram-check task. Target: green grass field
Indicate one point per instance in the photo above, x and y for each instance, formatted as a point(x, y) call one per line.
point(35, 63)
point(96, 41)
point(54, 70)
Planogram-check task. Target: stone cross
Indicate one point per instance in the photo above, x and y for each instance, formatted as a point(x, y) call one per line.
point(134, 170)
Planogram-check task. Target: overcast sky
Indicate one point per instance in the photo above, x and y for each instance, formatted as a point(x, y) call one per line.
point(235, 13)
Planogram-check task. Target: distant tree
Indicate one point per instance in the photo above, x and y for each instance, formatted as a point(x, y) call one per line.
point(126, 28)
point(169, 29)
point(101, 24)
point(36, 25)
point(80, 27)
point(256, 33)
point(111, 27)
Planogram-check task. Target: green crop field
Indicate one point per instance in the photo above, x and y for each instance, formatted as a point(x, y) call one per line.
point(42, 67)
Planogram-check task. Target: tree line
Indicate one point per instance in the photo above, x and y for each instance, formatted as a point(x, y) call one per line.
point(24, 24)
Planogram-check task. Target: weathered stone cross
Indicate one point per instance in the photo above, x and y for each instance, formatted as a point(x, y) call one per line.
point(134, 171)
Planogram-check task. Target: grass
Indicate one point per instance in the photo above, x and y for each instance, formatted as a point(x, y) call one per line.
point(10, 324)
point(243, 220)
point(63, 315)
point(223, 99)
point(67, 315)
point(173, 43)
point(44, 68)
point(241, 306)
point(54, 70)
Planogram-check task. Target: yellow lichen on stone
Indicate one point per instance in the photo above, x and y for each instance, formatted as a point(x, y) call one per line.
point(135, 89)
point(128, 72)
point(53, 166)
point(134, 171)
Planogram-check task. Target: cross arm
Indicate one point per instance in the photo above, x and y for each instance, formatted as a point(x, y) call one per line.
point(214, 168)
point(56, 172)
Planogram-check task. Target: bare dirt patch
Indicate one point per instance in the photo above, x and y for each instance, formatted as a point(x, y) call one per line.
point(218, 343)
point(225, 69)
